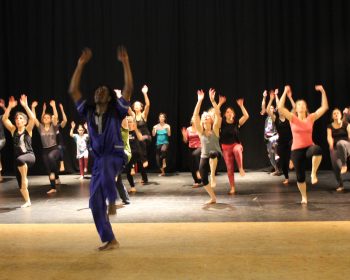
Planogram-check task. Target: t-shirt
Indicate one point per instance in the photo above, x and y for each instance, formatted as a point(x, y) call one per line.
point(302, 132)
point(229, 133)
point(81, 141)
point(48, 137)
point(270, 128)
point(193, 138)
point(340, 133)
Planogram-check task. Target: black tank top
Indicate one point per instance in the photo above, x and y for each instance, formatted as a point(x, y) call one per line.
point(284, 131)
point(142, 126)
point(340, 133)
point(229, 133)
point(22, 143)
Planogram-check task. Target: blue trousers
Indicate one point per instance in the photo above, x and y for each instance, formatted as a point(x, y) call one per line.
point(102, 187)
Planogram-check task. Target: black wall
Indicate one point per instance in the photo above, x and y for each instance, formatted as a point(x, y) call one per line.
point(176, 46)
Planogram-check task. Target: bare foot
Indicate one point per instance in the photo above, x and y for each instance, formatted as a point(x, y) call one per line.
point(164, 163)
point(303, 201)
point(340, 189)
point(62, 166)
point(132, 190)
point(211, 201)
point(58, 181)
point(196, 185)
point(132, 171)
point(232, 191)
point(51, 191)
point(285, 182)
point(113, 244)
point(1, 179)
point(314, 179)
point(27, 204)
point(344, 169)
point(81, 178)
point(145, 164)
point(198, 175)
point(242, 172)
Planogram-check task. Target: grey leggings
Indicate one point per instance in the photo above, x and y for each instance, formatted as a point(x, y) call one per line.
point(339, 156)
point(2, 144)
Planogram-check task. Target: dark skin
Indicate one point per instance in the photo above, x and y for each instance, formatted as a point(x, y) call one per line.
point(102, 97)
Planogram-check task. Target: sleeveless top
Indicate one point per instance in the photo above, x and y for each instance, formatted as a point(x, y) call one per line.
point(162, 137)
point(209, 143)
point(142, 126)
point(193, 138)
point(2, 132)
point(340, 133)
point(229, 133)
point(284, 131)
point(125, 137)
point(302, 132)
point(22, 143)
point(48, 137)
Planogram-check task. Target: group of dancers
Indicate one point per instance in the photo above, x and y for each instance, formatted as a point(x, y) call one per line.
point(116, 133)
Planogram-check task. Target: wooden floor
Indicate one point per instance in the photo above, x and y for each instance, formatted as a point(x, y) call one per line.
point(264, 250)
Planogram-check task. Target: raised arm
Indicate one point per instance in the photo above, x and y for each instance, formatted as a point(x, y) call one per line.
point(55, 113)
point(268, 111)
point(324, 103)
point(2, 104)
point(263, 103)
point(43, 111)
point(184, 134)
point(196, 117)
point(291, 100)
point(128, 81)
point(245, 116)
point(74, 87)
point(31, 118)
point(34, 105)
point(64, 117)
point(217, 119)
point(72, 126)
point(5, 118)
point(147, 102)
point(281, 104)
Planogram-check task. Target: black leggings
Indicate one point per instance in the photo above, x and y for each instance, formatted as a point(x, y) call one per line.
point(143, 157)
point(204, 167)
point(21, 160)
point(194, 157)
point(299, 157)
point(2, 144)
point(51, 158)
point(161, 153)
point(283, 150)
point(134, 159)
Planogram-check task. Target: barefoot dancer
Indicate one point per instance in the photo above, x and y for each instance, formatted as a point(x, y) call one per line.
point(81, 140)
point(22, 142)
point(2, 135)
point(104, 119)
point(232, 148)
point(338, 137)
point(208, 131)
point(303, 147)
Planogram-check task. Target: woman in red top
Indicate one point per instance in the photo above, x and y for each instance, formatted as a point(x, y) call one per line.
point(303, 147)
point(190, 136)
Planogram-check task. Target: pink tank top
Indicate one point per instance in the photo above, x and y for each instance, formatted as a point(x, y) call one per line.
point(302, 132)
point(193, 139)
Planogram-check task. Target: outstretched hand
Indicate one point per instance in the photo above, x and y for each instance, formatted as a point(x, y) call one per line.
point(212, 94)
point(85, 126)
point(346, 111)
point(144, 89)
point(23, 100)
point(85, 56)
point(61, 106)
point(12, 102)
point(118, 93)
point(265, 93)
point(122, 54)
point(2, 103)
point(276, 91)
point(272, 95)
point(72, 124)
point(52, 103)
point(34, 104)
point(222, 99)
point(200, 94)
point(240, 102)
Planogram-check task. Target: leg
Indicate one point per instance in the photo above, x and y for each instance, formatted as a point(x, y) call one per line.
point(81, 168)
point(86, 164)
point(129, 176)
point(343, 148)
point(229, 160)
point(204, 170)
point(238, 154)
point(22, 163)
point(213, 162)
point(122, 190)
point(316, 153)
point(336, 166)
point(299, 160)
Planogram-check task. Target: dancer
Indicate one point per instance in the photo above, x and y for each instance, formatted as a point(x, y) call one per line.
point(22, 142)
point(104, 119)
point(346, 113)
point(303, 147)
point(2, 135)
point(208, 131)
point(61, 146)
point(338, 137)
point(231, 145)
point(47, 129)
point(81, 140)
point(140, 113)
point(162, 131)
point(135, 138)
point(284, 142)
point(270, 133)
point(191, 137)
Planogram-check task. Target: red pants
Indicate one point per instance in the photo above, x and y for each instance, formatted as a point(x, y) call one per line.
point(232, 152)
point(83, 164)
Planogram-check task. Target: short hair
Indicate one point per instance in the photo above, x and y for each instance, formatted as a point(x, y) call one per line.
point(23, 115)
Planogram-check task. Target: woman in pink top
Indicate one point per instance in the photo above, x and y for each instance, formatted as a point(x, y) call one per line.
point(190, 136)
point(303, 147)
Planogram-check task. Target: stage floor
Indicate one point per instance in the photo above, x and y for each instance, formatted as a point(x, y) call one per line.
point(260, 198)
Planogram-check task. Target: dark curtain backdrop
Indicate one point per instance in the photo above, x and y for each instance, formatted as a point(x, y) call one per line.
point(176, 47)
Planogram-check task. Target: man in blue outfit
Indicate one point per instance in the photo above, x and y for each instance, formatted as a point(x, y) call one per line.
point(104, 119)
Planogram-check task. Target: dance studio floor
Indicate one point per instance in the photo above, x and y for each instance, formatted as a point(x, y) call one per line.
point(166, 232)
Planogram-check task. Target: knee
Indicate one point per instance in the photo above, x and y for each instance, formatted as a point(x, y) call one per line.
point(213, 154)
